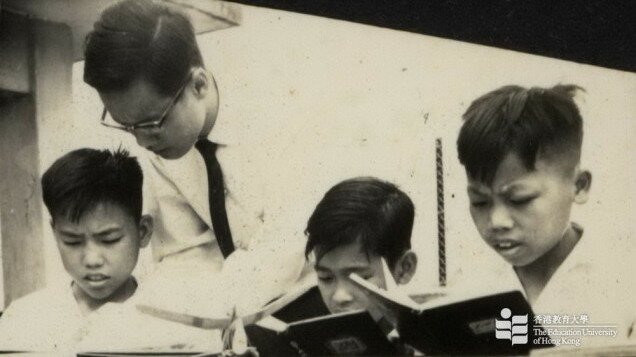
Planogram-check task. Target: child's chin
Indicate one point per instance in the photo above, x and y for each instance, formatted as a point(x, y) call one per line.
point(98, 294)
point(518, 262)
point(517, 257)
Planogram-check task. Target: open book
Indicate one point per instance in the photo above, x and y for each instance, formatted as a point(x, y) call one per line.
point(296, 323)
point(304, 326)
point(500, 323)
point(348, 333)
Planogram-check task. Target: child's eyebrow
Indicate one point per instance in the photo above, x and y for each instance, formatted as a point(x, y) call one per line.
point(107, 231)
point(506, 189)
point(70, 233)
point(357, 269)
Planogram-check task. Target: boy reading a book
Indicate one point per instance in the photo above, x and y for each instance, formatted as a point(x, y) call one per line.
point(521, 149)
point(358, 223)
point(95, 201)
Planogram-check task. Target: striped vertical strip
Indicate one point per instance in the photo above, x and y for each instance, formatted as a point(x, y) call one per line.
point(441, 225)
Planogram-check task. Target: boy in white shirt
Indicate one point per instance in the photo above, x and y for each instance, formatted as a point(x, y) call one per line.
point(95, 201)
point(521, 149)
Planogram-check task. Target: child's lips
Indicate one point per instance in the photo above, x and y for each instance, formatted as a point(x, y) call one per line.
point(506, 244)
point(96, 278)
point(506, 247)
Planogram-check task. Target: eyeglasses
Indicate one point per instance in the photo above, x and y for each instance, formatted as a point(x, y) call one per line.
point(150, 127)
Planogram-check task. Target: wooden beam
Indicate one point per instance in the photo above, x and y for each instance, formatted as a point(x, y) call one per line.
point(22, 247)
point(79, 15)
point(14, 53)
point(50, 63)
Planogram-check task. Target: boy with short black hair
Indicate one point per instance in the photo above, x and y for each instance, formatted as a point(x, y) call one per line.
point(521, 149)
point(94, 198)
point(358, 223)
point(95, 201)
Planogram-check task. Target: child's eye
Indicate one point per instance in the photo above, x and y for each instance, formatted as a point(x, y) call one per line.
point(111, 240)
point(325, 278)
point(71, 243)
point(522, 200)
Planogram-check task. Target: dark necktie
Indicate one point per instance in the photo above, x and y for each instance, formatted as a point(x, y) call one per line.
point(216, 191)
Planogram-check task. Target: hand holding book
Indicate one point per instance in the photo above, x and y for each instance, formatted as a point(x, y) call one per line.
point(452, 324)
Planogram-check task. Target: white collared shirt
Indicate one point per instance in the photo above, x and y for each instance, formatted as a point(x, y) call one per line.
point(588, 282)
point(50, 319)
point(269, 246)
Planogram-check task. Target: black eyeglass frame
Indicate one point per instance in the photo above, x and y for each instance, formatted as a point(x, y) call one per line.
point(151, 125)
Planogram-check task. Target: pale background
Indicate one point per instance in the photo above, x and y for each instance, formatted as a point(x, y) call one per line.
point(345, 99)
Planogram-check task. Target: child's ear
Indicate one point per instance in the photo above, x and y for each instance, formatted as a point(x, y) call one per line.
point(405, 267)
point(145, 230)
point(582, 184)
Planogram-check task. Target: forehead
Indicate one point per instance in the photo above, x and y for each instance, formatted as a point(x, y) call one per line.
point(512, 173)
point(100, 216)
point(345, 256)
point(138, 102)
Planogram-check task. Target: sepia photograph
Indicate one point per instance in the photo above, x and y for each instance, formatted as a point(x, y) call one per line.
point(318, 178)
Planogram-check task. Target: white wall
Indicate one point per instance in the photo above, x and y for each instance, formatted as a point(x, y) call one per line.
point(345, 99)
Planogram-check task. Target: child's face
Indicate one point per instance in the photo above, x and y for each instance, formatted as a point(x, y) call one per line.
point(333, 271)
point(101, 250)
point(523, 214)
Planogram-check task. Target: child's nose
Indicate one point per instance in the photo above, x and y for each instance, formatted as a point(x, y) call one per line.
point(93, 257)
point(500, 218)
point(342, 296)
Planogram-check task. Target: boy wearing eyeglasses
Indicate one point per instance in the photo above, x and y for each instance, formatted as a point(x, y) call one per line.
point(206, 190)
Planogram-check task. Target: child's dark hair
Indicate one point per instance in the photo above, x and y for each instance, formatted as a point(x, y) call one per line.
point(374, 212)
point(84, 178)
point(140, 39)
point(524, 121)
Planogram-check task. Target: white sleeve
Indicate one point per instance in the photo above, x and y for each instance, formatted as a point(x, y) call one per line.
point(26, 326)
point(126, 328)
point(268, 268)
point(11, 328)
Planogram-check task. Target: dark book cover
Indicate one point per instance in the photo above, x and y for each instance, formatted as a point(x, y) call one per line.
point(307, 328)
point(501, 323)
point(349, 333)
point(472, 326)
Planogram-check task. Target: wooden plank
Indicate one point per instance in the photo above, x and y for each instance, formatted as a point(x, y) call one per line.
point(22, 248)
point(50, 62)
point(14, 56)
point(79, 15)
